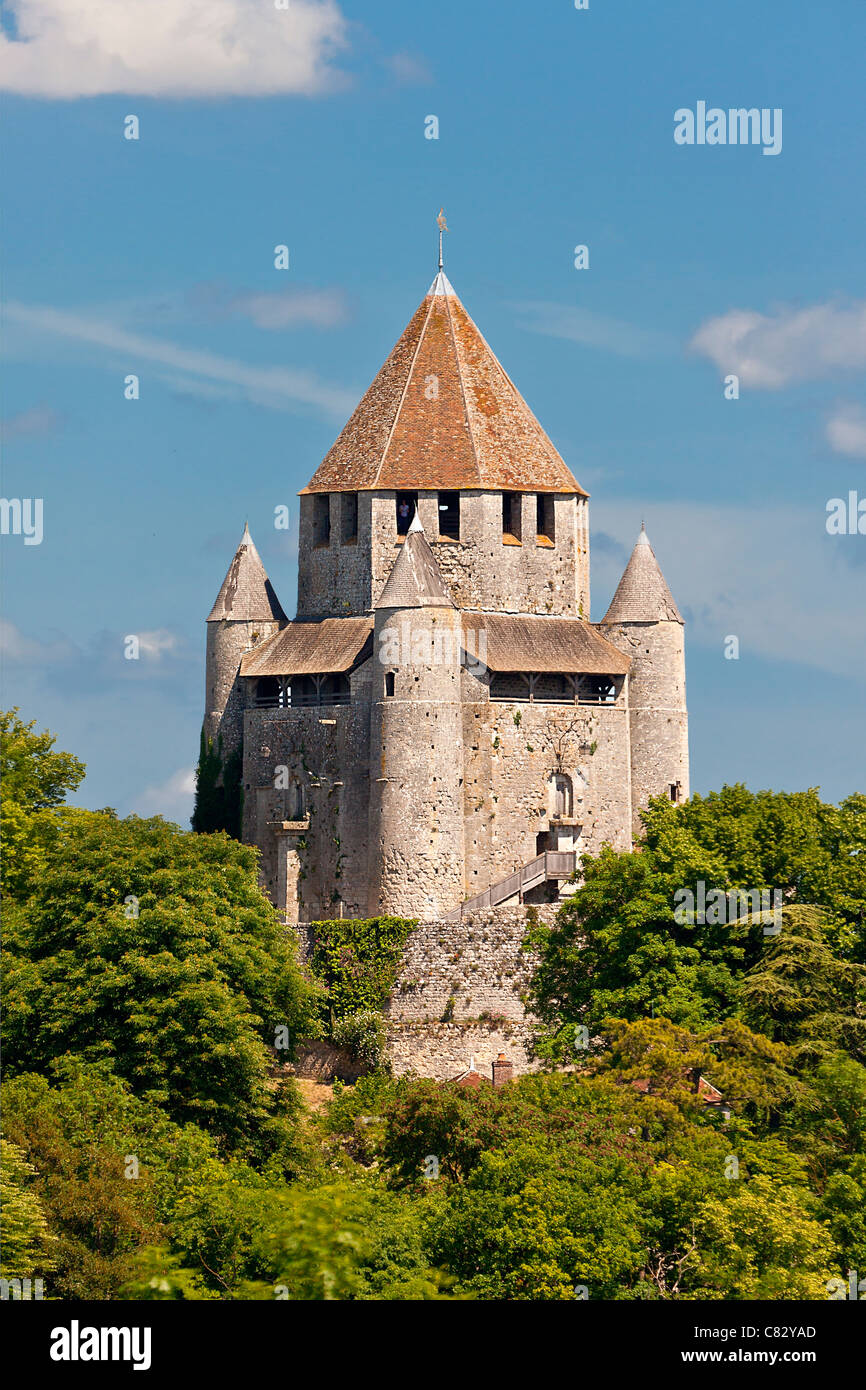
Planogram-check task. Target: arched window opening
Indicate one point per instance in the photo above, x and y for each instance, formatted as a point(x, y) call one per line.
point(562, 796)
point(297, 802)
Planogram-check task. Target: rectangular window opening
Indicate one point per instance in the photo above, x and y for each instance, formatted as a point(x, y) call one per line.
point(322, 518)
point(511, 508)
point(349, 517)
point(449, 515)
point(544, 518)
point(407, 502)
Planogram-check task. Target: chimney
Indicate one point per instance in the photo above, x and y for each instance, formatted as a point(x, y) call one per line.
point(503, 1070)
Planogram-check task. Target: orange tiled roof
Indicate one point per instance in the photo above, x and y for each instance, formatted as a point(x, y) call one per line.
point(442, 413)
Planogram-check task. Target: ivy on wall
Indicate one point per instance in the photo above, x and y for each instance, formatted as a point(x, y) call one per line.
point(358, 961)
point(218, 789)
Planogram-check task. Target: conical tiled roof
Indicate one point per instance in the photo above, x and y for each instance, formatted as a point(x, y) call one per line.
point(415, 581)
point(642, 595)
point(442, 413)
point(246, 594)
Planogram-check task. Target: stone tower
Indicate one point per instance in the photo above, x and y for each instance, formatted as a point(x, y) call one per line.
point(442, 728)
point(441, 732)
point(416, 740)
point(246, 612)
point(643, 621)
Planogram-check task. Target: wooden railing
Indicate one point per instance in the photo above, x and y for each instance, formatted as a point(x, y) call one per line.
point(552, 864)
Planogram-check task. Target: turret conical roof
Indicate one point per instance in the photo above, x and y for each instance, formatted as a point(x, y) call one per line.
point(642, 596)
point(415, 580)
point(247, 594)
point(442, 413)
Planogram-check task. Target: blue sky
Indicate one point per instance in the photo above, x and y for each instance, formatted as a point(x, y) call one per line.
point(306, 127)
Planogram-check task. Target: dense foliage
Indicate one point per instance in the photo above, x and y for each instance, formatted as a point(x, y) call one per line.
point(153, 1148)
point(155, 949)
point(618, 950)
point(219, 792)
point(358, 960)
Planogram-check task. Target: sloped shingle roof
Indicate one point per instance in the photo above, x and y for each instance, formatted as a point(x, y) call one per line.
point(246, 594)
point(517, 643)
point(305, 649)
point(415, 580)
point(642, 596)
point(443, 414)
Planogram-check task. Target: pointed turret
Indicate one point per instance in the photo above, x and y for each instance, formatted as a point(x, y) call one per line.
point(415, 581)
point(644, 622)
point(642, 596)
point(246, 591)
point(246, 611)
point(416, 739)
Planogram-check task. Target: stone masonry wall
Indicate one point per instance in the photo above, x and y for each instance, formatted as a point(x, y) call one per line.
point(331, 762)
point(511, 751)
point(339, 579)
point(460, 993)
point(658, 719)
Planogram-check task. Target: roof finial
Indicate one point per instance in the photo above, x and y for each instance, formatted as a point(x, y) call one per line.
point(443, 227)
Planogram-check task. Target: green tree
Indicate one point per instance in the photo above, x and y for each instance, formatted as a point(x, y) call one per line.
point(33, 778)
point(155, 948)
point(218, 789)
point(801, 992)
point(623, 946)
point(26, 1244)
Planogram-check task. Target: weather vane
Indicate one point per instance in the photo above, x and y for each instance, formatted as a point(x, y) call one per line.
point(443, 227)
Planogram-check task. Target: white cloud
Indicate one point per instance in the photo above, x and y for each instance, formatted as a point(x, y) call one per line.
point(19, 649)
point(772, 350)
point(768, 574)
point(172, 798)
point(593, 330)
point(846, 430)
point(172, 48)
point(39, 419)
point(276, 387)
point(291, 308)
point(156, 643)
point(408, 69)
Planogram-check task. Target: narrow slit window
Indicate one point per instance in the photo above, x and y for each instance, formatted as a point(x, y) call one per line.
point(389, 682)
